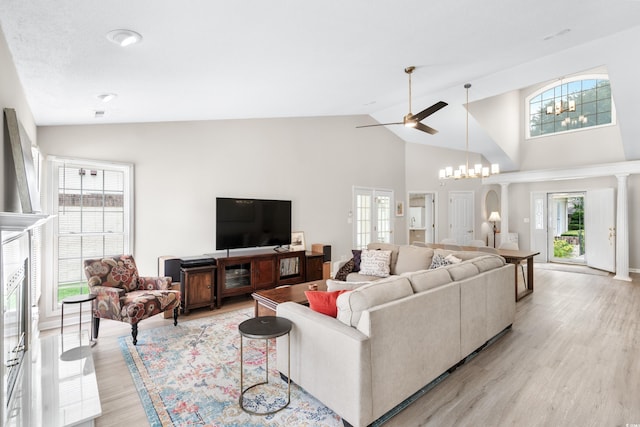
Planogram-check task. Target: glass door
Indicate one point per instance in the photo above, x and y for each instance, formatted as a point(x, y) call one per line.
point(373, 210)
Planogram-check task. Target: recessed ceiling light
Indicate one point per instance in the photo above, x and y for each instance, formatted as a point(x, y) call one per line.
point(124, 37)
point(106, 97)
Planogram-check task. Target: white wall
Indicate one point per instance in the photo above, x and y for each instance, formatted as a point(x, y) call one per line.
point(181, 167)
point(11, 96)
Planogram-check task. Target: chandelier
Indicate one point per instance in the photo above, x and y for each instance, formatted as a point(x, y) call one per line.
point(465, 171)
point(565, 106)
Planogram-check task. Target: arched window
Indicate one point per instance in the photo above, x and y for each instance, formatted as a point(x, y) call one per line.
point(572, 104)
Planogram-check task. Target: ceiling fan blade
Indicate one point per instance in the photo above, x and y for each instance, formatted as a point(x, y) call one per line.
point(425, 128)
point(429, 111)
point(380, 124)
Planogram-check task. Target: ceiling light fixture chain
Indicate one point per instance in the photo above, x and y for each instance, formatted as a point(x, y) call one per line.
point(464, 171)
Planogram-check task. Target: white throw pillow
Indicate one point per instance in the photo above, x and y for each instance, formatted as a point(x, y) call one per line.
point(375, 263)
point(453, 259)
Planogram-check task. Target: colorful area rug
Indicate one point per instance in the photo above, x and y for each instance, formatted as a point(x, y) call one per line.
point(189, 375)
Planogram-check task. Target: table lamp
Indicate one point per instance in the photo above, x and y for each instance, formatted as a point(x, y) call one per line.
point(494, 217)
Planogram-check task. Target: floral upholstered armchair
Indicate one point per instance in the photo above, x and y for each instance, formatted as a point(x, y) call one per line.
point(125, 296)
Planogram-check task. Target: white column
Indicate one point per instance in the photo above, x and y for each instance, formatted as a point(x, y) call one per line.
point(622, 230)
point(504, 213)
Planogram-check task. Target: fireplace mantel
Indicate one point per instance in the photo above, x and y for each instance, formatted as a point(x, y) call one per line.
point(19, 222)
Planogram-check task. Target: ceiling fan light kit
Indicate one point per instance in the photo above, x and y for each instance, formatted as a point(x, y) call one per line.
point(464, 171)
point(411, 120)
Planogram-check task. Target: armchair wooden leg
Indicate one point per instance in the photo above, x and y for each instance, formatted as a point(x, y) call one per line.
point(134, 333)
point(175, 316)
point(96, 327)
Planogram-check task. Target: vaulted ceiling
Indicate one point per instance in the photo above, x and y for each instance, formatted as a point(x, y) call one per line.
point(211, 60)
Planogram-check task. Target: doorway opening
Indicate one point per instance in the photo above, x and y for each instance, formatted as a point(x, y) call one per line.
point(567, 228)
point(421, 218)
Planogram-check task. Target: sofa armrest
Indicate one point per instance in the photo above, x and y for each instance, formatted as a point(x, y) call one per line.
point(107, 302)
point(109, 291)
point(330, 360)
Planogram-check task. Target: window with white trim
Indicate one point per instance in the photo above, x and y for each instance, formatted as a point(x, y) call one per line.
point(93, 203)
point(573, 104)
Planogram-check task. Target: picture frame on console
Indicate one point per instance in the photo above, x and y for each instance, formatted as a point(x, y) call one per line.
point(297, 241)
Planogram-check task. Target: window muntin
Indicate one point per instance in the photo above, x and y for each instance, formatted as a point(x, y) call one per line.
point(580, 103)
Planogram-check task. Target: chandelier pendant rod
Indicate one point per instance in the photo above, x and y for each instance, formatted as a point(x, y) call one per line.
point(467, 86)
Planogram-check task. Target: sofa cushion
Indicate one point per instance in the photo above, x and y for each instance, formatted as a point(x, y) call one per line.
point(462, 271)
point(413, 258)
point(375, 262)
point(358, 277)
point(387, 247)
point(467, 255)
point(323, 302)
point(428, 279)
point(488, 262)
point(352, 304)
point(338, 285)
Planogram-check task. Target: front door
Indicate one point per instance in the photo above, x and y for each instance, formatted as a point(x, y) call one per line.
point(600, 231)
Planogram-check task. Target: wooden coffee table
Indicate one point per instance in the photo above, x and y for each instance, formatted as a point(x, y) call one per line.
point(267, 300)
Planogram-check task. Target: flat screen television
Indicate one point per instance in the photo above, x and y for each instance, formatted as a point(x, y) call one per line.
point(250, 223)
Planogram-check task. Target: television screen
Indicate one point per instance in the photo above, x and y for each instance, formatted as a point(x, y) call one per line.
point(249, 223)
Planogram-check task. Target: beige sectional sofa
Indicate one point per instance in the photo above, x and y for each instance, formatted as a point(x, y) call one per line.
point(395, 335)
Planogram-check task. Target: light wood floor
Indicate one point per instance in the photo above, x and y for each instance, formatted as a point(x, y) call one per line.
point(572, 358)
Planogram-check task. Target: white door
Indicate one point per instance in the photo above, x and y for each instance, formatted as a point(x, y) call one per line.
point(461, 216)
point(430, 218)
point(539, 225)
point(600, 229)
point(373, 210)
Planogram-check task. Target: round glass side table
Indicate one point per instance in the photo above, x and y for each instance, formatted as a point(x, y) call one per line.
point(264, 328)
point(79, 299)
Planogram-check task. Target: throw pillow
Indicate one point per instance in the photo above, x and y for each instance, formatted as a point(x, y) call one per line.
point(337, 285)
point(453, 259)
point(356, 259)
point(438, 261)
point(323, 302)
point(347, 268)
point(375, 263)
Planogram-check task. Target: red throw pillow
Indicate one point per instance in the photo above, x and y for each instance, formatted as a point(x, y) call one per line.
point(323, 302)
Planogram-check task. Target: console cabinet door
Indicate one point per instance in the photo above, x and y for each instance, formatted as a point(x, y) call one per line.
point(291, 268)
point(198, 288)
point(234, 277)
point(264, 273)
point(314, 267)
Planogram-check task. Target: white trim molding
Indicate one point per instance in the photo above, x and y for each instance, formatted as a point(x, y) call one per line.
point(605, 169)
